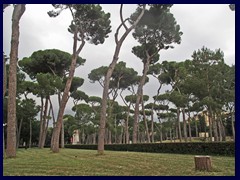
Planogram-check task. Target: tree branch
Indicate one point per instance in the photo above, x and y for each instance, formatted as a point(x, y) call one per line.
point(121, 16)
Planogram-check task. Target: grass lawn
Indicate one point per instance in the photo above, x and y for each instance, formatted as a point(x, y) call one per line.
point(73, 162)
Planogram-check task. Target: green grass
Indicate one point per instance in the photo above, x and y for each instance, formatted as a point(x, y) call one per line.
point(73, 162)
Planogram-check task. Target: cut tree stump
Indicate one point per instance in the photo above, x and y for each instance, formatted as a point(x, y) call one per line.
point(203, 163)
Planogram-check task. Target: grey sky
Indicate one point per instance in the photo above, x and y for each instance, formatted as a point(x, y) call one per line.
point(210, 25)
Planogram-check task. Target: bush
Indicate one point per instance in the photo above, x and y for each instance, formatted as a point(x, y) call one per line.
point(196, 148)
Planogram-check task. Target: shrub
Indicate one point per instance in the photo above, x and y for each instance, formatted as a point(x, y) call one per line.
point(196, 148)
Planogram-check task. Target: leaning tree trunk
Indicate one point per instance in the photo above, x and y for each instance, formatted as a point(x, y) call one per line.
point(19, 132)
point(138, 99)
point(56, 132)
point(153, 105)
point(110, 70)
point(12, 85)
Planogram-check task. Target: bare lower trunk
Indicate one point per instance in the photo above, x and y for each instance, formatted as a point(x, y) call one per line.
point(41, 123)
point(12, 85)
point(233, 127)
point(170, 133)
point(42, 135)
point(94, 138)
point(145, 121)
point(30, 133)
point(109, 136)
point(223, 130)
point(19, 132)
point(152, 128)
point(189, 129)
point(219, 130)
point(196, 127)
point(4, 77)
point(138, 99)
point(62, 135)
point(126, 127)
point(179, 125)
point(184, 125)
point(210, 126)
point(215, 132)
point(161, 134)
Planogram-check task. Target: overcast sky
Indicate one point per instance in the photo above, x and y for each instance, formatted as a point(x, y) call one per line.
point(210, 25)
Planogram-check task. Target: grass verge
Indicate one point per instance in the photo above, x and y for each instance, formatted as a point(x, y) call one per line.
point(73, 162)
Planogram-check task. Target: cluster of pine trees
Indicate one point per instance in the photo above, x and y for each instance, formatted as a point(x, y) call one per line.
point(202, 83)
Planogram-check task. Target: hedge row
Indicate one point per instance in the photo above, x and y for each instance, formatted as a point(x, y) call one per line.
point(196, 148)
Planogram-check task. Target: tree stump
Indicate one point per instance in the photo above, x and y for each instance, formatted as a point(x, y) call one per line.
point(203, 163)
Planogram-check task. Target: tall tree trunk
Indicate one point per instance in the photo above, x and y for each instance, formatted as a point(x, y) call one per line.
point(233, 126)
point(138, 99)
point(56, 134)
point(19, 132)
point(4, 77)
point(223, 130)
point(152, 109)
point(176, 130)
point(121, 136)
point(41, 123)
point(108, 76)
point(145, 121)
point(106, 136)
point(161, 134)
point(196, 127)
point(138, 131)
point(30, 133)
point(214, 124)
point(42, 134)
point(83, 137)
point(170, 133)
point(219, 129)
point(62, 135)
point(94, 138)
point(189, 126)
point(189, 129)
point(179, 125)
point(109, 136)
point(4, 92)
point(184, 125)
point(152, 126)
point(126, 126)
point(12, 85)
point(210, 126)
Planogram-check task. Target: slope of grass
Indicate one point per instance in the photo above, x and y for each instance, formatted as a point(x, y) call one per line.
point(73, 162)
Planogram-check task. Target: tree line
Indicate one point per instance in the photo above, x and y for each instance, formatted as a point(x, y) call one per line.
point(202, 83)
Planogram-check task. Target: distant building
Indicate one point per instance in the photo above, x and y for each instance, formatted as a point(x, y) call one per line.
point(75, 137)
point(203, 134)
point(205, 115)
